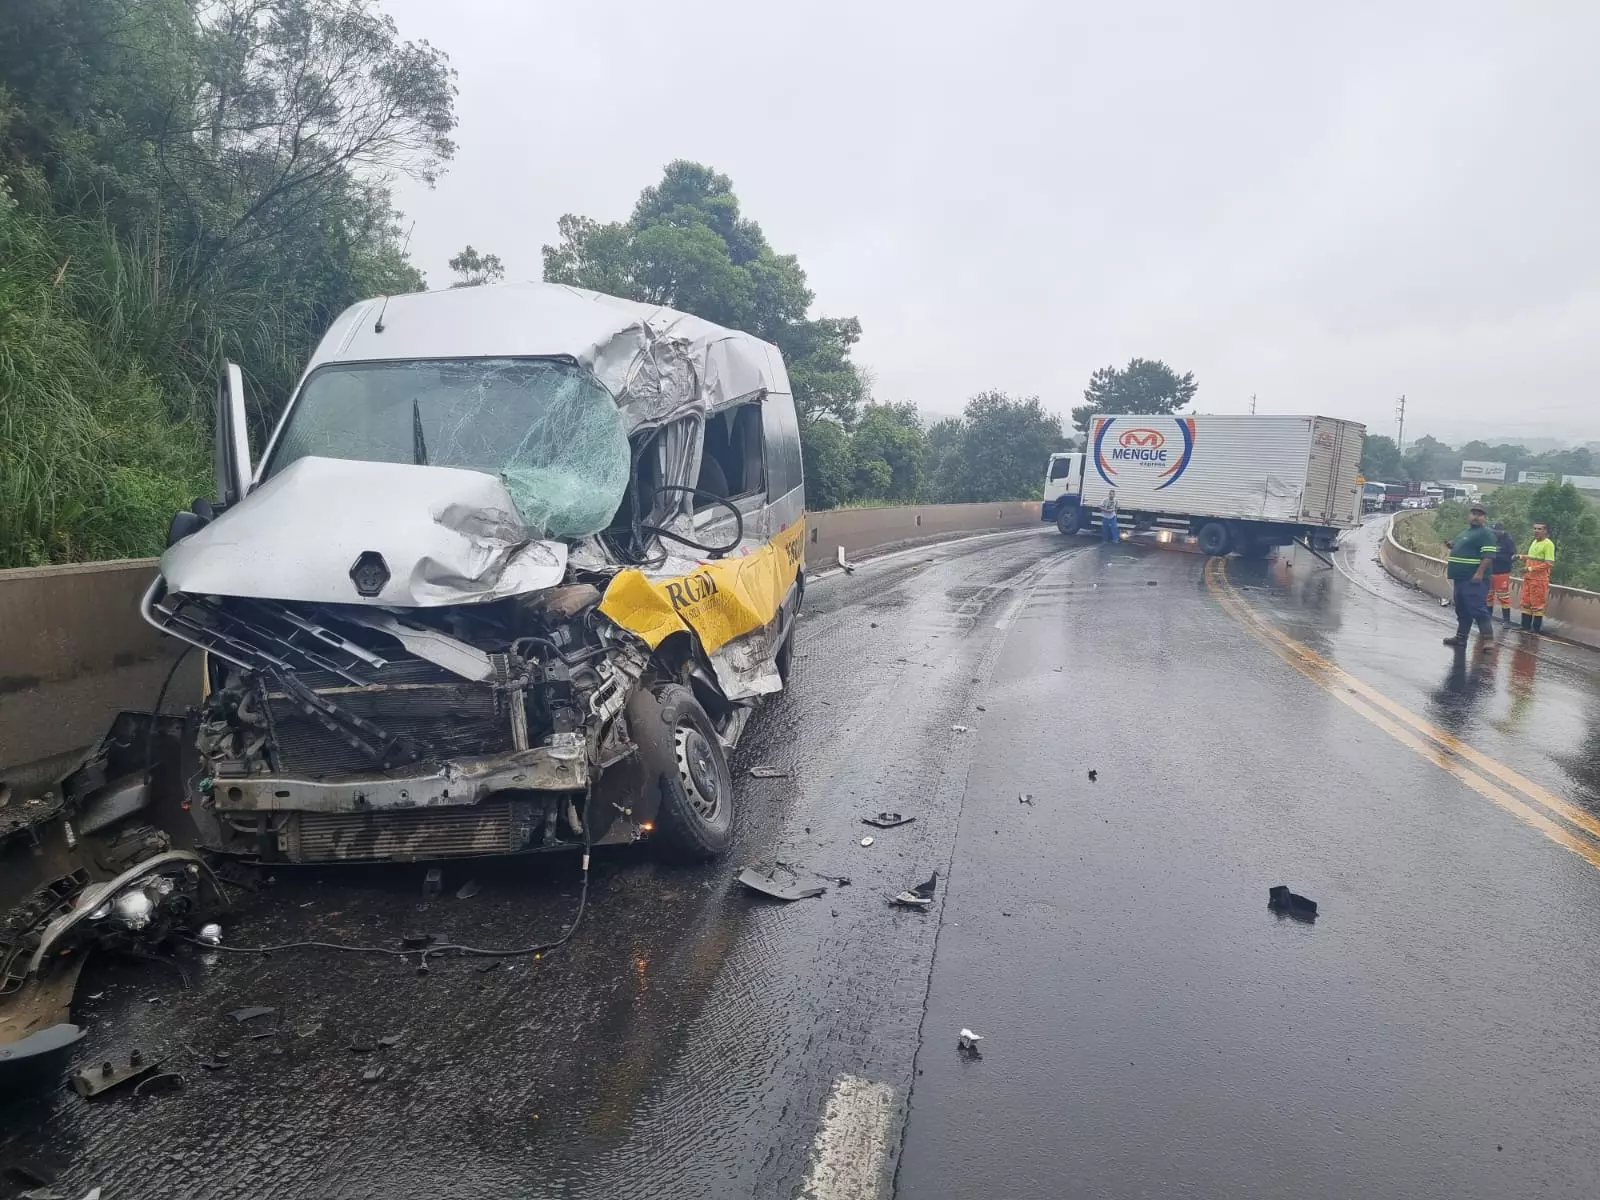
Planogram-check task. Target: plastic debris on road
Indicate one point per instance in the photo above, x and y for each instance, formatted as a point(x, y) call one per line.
point(968, 1041)
point(959, 728)
point(779, 882)
point(768, 773)
point(887, 820)
point(253, 1013)
point(211, 934)
point(866, 841)
point(920, 896)
point(1093, 775)
point(468, 890)
point(1289, 904)
point(1025, 798)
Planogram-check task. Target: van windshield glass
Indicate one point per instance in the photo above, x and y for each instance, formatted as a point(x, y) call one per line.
point(548, 428)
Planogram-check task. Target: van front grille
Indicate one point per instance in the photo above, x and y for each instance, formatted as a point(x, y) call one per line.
point(409, 835)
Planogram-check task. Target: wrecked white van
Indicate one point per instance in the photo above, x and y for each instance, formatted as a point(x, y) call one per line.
point(510, 575)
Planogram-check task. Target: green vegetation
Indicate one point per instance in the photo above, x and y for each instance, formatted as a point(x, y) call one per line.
point(1143, 386)
point(1573, 519)
point(182, 183)
point(1428, 458)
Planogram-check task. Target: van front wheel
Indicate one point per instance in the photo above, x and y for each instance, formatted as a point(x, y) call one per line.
point(685, 765)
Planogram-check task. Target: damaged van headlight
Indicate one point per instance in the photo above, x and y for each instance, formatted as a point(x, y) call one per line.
point(134, 908)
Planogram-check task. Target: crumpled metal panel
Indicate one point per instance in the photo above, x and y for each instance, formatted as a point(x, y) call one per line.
point(657, 362)
point(447, 536)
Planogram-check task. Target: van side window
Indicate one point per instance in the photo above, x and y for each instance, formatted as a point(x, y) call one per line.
point(731, 462)
point(1060, 468)
point(781, 429)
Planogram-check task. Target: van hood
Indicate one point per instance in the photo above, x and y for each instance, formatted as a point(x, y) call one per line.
point(444, 535)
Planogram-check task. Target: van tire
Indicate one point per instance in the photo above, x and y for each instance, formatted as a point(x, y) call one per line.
point(684, 763)
point(785, 656)
point(1214, 539)
point(1068, 518)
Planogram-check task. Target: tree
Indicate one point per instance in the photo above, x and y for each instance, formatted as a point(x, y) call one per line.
point(829, 464)
point(476, 269)
point(998, 449)
point(888, 448)
point(1143, 386)
point(687, 246)
point(1429, 458)
point(1574, 527)
point(1380, 459)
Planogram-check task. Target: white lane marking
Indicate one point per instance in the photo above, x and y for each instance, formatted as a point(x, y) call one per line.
point(852, 1144)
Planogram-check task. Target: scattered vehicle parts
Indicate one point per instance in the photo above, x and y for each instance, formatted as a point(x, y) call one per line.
point(866, 841)
point(1025, 798)
point(389, 1041)
point(920, 896)
point(779, 882)
point(372, 1075)
point(92, 1081)
point(253, 1012)
point(38, 1059)
point(846, 567)
point(1093, 775)
point(211, 934)
point(417, 941)
point(1290, 904)
point(959, 728)
point(968, 1041)
point(432, 883)
point(468, 890)
point(164, 1081)
point(887, 820)
point(768, 773)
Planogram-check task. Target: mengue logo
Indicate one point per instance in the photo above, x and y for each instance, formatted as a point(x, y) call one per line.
point(1143, 449)
point(1133, 439)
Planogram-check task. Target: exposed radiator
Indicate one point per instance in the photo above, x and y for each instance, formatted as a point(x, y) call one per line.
point(494, 827)
point(409, 698)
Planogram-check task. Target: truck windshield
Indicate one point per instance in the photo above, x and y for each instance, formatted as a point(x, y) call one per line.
point(547, 427)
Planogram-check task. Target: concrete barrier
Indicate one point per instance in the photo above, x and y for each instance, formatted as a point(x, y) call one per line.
point(1570, 612)
point(74, 650)
point(860, 530)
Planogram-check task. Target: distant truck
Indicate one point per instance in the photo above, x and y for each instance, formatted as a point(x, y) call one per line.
point(1240, 484)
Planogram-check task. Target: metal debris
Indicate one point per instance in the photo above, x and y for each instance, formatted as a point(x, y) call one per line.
point(468, 890)
point(778, 882)
point(432, 883)
point(866, 841)
point(968, 1041)
point(91, 1081)
point(847, 568)
point(211, 934)
point(166, 1081)
point(768, 773)
point(1025, 798)
point(887, 820)
point(253, 1013)
point(1288, 904)
point(958, 728)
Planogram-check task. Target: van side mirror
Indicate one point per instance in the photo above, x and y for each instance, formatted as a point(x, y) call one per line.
point(231, 450)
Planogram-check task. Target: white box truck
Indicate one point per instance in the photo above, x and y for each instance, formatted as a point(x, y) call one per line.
point(1240, 484)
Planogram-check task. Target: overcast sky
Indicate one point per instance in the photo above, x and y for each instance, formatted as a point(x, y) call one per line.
point(1325, 205)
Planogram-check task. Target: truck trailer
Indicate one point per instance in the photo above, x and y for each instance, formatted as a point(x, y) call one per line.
point(1239, 484)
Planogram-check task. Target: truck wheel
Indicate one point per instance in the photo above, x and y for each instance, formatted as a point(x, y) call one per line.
point(683, 761)
point(1214, 539)
point(1068, 519)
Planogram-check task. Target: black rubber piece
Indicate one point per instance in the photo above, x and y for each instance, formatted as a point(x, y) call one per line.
point(682, 832)
point(1214, 538)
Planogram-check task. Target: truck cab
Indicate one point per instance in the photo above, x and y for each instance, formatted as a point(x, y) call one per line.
point(1063, 489)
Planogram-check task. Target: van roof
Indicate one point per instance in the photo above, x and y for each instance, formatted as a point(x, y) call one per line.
point(657, 362)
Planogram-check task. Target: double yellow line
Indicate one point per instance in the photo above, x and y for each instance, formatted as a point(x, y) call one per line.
point(1559, 820)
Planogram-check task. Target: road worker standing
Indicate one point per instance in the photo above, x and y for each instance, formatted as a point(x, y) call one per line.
point(1539, 561)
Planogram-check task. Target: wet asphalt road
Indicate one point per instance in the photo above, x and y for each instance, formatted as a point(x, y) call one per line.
point(1151, 1029)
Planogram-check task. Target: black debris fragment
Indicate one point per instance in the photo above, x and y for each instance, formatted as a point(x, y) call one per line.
point(779, 883)
point(468, 890)
point(1289, 904)
point(253, 1012)
point(492, 965)
point(920, 896)
point(887, 820)
point(362, 1046)
point(166, 1081)
point(1093, 775)
point(1025, 798)
point(417, 941)
point(432, 883)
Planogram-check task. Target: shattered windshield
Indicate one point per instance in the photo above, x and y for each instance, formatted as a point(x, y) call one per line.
point(546, 427)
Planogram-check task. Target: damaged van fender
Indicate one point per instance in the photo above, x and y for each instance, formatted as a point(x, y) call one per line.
point(513, 571)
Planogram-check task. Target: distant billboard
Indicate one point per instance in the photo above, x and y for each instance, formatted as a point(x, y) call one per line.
point(1536, 476)
point(1584, 483)
point(1472, 469)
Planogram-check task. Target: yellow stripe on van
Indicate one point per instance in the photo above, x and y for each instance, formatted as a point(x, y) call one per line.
point(720, 600)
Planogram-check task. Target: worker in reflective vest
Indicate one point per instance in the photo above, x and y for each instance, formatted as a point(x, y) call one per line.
point(1539, 560)
point(1470, 557)
point(1505, 554)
